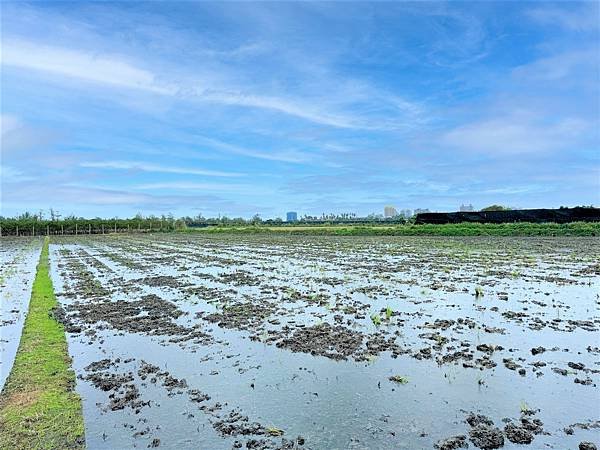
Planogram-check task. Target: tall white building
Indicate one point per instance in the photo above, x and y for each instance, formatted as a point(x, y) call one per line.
point(389, 212)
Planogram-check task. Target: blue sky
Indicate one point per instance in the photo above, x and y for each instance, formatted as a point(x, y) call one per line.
point(109, 109)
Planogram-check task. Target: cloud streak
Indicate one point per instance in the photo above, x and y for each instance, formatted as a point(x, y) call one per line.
point(158, 168)
point(85, 66)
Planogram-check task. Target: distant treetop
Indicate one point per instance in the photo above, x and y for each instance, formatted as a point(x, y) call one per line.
point(496, 208)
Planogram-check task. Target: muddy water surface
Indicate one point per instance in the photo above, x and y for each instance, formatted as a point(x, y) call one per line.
point(187, 341)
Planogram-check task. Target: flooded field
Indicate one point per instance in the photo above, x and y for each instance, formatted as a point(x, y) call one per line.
point(18, 260)
point(218, 342)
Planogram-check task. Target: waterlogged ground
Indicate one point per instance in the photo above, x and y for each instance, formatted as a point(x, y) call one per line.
point(18, 261)
point(218, 342)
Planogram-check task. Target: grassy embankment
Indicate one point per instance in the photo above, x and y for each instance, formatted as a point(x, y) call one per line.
point(460, 229)
point(38, 405)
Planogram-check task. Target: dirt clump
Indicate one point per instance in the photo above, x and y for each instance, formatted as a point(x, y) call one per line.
point(486, 437)
point(518, 434)
point(334, 342)
point(452, 443)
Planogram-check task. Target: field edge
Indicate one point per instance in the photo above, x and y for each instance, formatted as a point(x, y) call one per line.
point(39, 407)
point(518, 229)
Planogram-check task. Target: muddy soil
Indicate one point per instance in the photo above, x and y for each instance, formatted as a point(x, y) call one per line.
point(187, 341)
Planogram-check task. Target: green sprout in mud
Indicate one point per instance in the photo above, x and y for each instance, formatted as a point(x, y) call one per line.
point(388, 313)
point(274, 431)
point(376, 319)
point(399, 379)
point(478, 291)
point(371, 359)
point(524, 407)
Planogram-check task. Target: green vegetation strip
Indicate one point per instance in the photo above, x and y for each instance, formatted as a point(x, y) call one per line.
point(38, 405)
point(459, 229)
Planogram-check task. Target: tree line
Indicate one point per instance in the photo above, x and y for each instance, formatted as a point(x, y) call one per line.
point(35, 224)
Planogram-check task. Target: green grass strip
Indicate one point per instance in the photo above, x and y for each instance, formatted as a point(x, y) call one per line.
point(39, 408)
point(458, 229)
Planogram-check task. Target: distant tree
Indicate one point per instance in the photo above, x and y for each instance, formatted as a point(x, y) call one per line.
point(496, 208)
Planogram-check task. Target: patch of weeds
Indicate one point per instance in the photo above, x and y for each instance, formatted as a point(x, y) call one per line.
point(398, 379)
point(274, 431)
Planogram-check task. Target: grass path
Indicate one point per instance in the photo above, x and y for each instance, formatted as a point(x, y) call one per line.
point(38, 405)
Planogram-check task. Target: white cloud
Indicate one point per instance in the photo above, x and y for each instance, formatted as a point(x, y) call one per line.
point(16, 135)
point(515, 134)
point(560, 66)
point(578, 17)
point(9, 123)
point(148, 167)
point(78, 64)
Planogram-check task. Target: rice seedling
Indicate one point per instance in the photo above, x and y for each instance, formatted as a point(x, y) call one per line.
point(376, 319)
point(524, 407)
point(478, 291)
point(388, 313)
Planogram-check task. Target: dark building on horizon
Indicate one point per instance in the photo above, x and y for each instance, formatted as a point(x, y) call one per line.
point(291, 216)
point(541, 215)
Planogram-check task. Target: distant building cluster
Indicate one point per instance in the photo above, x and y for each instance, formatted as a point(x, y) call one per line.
point(389, 212)
point(466, 208)
point(291, 216)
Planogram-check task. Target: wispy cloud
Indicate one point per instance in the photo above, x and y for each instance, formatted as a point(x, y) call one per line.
point(329, 108)
point(149, 167)
point(575, 16)
point(9, 174)
point(202, 187)
point(518, 133)
point(18, 136)
point(106, 69)
point(292, 156)
point(559, 66)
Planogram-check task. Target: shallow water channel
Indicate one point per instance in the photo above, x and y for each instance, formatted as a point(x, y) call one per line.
point(18, 262)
